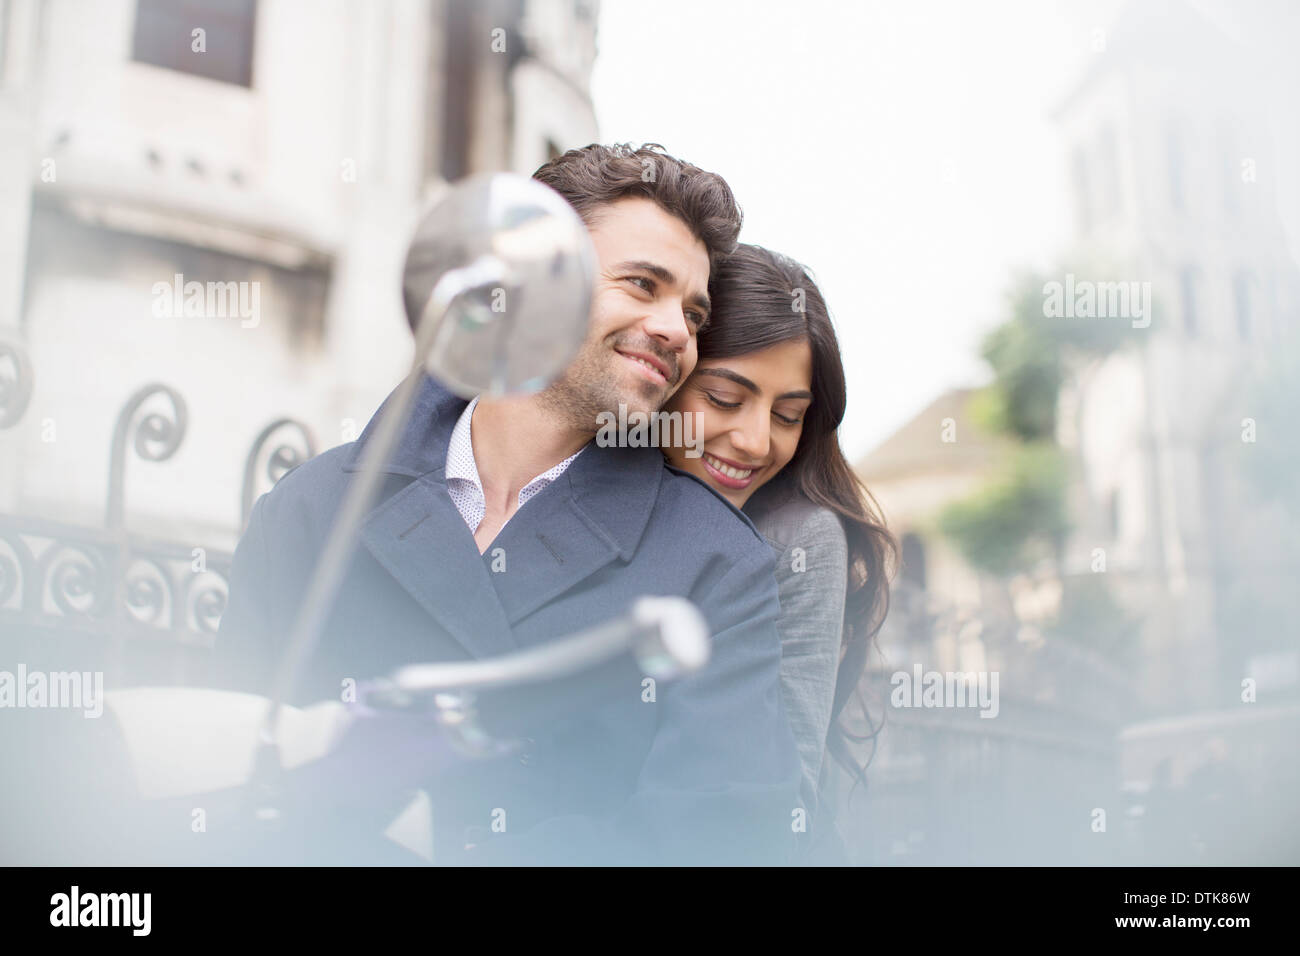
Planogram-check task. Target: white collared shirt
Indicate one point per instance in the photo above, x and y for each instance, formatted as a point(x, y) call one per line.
point(462, 474)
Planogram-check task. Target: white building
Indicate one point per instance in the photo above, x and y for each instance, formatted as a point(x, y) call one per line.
point(286, 145)
point(1181, 141)
point(1181, 165)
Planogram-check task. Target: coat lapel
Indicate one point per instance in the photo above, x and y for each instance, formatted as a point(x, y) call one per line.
point(420, 539)
point(593, 514)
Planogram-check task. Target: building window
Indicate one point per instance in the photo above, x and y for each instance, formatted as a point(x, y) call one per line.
point(459, 90)
point(1110, 198)
point(1188, 281)
point(4, 37)
point(1241, 300)
point(208, 38)
point(1082, 197)
point(1174, 150)
point(1231, 173)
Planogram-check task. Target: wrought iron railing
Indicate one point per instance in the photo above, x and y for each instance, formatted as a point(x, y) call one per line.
point(947, 786)
point(943, 786)
point(110, 584)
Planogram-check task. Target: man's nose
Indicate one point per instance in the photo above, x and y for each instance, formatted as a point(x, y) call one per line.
point(667, 324)
point(752, 436)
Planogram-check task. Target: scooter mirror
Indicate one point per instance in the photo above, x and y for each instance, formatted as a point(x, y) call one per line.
point(497, 285)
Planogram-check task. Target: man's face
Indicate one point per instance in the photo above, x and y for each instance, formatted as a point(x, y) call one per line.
point(650, 299)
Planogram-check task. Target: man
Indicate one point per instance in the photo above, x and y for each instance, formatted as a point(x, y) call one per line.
point(501, 526)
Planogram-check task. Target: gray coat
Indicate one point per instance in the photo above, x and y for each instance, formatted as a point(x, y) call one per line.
point(812, 577)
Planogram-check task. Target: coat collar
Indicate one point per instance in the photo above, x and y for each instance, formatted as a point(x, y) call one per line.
point(594, 513)
point(422, 447)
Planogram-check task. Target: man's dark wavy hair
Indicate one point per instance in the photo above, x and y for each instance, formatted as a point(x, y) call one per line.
point(595, 176)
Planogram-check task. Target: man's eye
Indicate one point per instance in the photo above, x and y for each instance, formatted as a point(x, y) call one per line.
point(642, 283)
point(698, 319)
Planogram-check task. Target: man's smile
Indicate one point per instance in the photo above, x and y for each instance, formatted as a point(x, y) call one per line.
point(651, 366)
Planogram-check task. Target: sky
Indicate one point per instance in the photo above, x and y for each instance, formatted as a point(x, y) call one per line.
point(902, 151)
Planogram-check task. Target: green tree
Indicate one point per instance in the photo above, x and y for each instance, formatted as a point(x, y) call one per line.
point(1015, 520)
point(1020, 517)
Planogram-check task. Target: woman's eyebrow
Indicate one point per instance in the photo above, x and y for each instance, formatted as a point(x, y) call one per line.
point(739, 379)
point(730, 376)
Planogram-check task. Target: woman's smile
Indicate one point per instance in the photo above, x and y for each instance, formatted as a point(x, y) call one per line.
point(729, 473)
point(751, 409)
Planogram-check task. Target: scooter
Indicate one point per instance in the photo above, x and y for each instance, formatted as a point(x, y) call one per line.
point(188, 776)
point(356, 782)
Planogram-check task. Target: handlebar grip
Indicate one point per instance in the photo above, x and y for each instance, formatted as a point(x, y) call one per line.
point(664, 638)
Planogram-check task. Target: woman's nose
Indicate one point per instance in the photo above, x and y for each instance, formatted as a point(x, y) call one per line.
point(753, 438)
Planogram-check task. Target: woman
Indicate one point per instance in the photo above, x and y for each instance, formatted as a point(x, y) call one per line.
point(770, 388)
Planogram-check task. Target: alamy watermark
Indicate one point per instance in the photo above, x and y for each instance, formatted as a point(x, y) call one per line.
point(651, 430)
point(128, 910)
point(218, 300)
point(945, 689)
point(1085, 299)
point(81, 690)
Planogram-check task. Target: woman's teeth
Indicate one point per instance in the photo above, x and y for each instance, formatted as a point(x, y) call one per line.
point(727, 469)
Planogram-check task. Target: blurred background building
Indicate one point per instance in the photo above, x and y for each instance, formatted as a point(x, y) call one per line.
point(1163, 157)
point(1164, 152)
point(1111, 525)
point(285, 144)
point(1162, 606)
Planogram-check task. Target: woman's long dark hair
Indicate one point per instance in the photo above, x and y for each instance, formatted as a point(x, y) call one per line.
point(761, 298)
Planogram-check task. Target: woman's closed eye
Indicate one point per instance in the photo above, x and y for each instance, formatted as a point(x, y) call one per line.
point(791, 413)
point(786, 418)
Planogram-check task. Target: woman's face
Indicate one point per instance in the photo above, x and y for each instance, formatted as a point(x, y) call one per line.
point(752, 408)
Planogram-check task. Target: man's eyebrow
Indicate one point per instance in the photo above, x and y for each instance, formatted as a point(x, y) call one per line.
point(662, 273)
point(665, 275)
point(746, 383)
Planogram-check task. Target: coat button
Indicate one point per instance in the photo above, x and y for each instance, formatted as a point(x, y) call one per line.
point(528, 755)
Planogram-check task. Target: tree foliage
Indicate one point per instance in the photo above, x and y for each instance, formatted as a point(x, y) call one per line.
point(1016, 519)
point(1019, 517)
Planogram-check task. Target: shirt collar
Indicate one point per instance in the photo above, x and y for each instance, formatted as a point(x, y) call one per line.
point(460, 450)
point(461, 464)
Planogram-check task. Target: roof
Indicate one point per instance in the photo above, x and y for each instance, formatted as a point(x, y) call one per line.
point(918, 446)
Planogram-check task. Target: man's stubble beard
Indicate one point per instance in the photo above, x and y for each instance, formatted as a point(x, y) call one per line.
point(590, 386)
